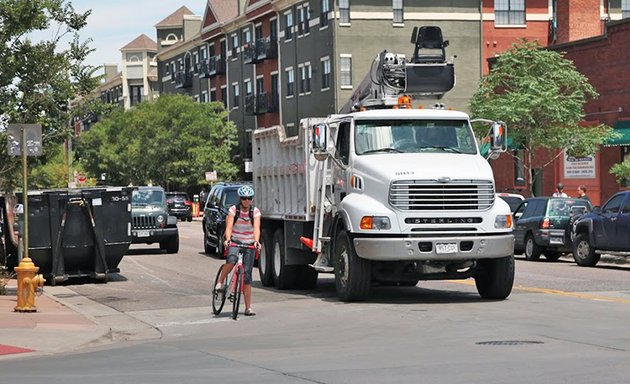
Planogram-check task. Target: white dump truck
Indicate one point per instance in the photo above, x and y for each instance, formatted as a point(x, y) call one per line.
point(383, 193)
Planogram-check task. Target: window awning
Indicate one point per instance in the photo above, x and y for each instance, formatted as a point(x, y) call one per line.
point(623, 129)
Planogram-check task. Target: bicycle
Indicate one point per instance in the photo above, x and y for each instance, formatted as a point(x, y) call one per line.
point(233, 283)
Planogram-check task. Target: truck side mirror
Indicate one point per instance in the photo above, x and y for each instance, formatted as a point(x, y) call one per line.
point(320, 141)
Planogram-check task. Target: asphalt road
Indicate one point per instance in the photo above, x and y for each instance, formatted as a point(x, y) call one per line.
point(562, 324)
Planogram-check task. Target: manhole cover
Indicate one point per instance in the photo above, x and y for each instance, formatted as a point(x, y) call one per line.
point(508, 342)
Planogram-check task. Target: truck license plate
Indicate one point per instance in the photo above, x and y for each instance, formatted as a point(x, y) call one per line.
point(446, 248)
point(143, 233)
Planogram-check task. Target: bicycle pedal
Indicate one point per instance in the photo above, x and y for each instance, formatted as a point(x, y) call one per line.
point(231, 297)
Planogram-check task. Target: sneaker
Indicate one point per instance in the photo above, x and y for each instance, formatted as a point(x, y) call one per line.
point(250, 312)
point(218, 287)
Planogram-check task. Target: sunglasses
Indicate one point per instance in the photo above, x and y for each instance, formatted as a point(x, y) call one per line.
point(246, 198)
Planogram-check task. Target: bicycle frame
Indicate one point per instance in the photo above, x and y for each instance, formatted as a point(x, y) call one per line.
point(235, 282)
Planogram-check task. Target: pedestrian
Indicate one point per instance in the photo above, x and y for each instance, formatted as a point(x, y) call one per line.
point(582, 193)
point(560, 191)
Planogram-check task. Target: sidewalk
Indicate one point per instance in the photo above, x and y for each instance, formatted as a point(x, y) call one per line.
point(64, 321)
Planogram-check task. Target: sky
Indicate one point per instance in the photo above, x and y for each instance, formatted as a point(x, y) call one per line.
point(115, 23)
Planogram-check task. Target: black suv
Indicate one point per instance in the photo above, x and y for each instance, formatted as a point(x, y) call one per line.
point(605, 229)
point(150, 221)
point(543, 225)
point(179, 205)
point(221, 197)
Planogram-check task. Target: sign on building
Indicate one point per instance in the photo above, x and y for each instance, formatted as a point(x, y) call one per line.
point(579, 167)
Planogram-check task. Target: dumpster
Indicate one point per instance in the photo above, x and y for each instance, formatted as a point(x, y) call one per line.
point(78, 232)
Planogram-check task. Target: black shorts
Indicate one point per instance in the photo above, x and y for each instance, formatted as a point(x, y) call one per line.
point(249, 255)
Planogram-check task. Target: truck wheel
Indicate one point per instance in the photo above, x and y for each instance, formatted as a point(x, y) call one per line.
point(532, 250)
point(173, 245)
point(583, 254)
point(264, 262)
point(494, 277)
point(352, 274)
point(283, 275)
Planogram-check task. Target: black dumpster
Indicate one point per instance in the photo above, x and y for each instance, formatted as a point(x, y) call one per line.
point(79, 232)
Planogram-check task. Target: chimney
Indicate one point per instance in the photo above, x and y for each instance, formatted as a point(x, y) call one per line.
point(578, 20)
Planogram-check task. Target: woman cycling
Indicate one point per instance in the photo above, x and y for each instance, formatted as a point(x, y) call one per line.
point(242, 226)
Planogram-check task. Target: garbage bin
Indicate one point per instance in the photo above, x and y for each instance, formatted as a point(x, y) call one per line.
point(79, 232)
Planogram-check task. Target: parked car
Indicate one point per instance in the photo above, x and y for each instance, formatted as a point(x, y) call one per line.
point(221, 197)
point(542, 225)
point(150, 221)
point(179, 205)
point(513, 200)
point(605, 229)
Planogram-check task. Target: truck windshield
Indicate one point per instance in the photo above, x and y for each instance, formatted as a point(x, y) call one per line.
point(413, 136)
point(147, 197)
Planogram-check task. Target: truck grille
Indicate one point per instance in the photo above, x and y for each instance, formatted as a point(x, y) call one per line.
point(431, 195)
point(144, 222)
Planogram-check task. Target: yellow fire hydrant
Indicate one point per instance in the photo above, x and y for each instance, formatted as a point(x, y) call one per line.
point(27, 282)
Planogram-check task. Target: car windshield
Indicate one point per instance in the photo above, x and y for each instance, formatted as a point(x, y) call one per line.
point(147, 197)
point(413, 136)
point(566, 207)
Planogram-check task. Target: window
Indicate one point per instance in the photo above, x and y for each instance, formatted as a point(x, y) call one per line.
point(247, 36)
point(613, 205)
point(236, 95)
point(260, 85)
point(303, 27)
point(290, 82)
point(305, 78)
point(136, 94)
point(397, 5)
point(323, 18)
point(344, 11)
point(213, 94)
point(234, 46)
point(625, 8)
point(204, 96)
point(273, 30)
point(509, 12)
point(343, 142)
point(626, 207)
point(288, 22)
point(224, 95)
point(204, 52)
point(173, 70)
point(248, 87)
point(345, 71)
point(325, 73)
point(195, 61)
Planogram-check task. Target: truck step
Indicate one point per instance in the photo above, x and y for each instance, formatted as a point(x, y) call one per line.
point(322, 269)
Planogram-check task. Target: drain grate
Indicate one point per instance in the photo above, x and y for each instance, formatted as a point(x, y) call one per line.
point(508, 342)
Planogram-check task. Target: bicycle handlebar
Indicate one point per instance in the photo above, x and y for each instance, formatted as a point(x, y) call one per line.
point(233, 244)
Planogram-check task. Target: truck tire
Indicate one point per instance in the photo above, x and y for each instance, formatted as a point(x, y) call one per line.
point(172, 246)
point(583, 254)
point(352, 274)
point(283, 275)
point(532, 250)
point(494, 278)
point(264, 262)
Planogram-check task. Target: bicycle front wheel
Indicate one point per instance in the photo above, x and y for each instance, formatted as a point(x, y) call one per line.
point(218, 297)
point(238, 285)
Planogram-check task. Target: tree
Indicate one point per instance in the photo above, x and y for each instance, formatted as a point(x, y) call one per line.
point(541, 96)
point(621, 172)
point(171, 142)
point(37, 79)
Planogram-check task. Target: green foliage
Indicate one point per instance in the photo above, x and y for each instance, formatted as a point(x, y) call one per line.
point(541, 97)
point(621, 171)
point(38, 79)
point(171, 142)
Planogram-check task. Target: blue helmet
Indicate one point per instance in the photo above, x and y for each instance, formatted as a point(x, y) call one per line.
point(245, 191)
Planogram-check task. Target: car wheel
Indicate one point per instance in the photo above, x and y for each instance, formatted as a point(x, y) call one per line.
point(189, 219)
point(583, 254)
point(172, 246)
point(532, 250)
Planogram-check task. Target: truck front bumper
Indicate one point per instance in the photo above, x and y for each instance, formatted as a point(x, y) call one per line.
point(434, 248)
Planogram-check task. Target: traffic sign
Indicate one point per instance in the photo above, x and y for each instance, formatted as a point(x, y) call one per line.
point(33, 139)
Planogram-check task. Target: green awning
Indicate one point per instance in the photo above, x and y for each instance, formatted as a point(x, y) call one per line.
point(485, 147)
point(623, 129)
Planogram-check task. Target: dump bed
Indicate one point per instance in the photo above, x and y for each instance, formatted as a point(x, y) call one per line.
point(285, 173)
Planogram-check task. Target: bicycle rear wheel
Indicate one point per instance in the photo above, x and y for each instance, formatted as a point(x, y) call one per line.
point(238, 275)
point(218, 297)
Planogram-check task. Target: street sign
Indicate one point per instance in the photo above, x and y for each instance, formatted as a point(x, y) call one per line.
point(33, 139)
point(211, 176)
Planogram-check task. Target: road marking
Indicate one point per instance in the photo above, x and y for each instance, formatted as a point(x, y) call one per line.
point(193, 322)
point(547, 291)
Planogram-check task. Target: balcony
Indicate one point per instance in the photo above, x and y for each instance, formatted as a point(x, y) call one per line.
point(183, 79)
point(216, 65)
point(266, 49)
point(261, 104)
point(249, 54)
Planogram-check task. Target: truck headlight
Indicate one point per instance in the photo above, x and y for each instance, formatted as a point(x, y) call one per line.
point(375, 222)
point(503, 221)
